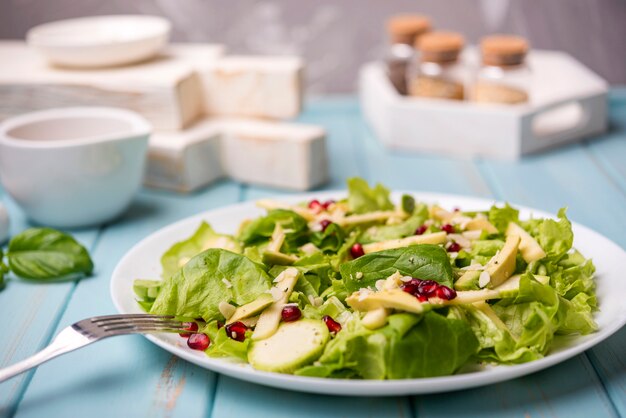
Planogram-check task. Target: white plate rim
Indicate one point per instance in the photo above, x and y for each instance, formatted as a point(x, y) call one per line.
point(366, 387)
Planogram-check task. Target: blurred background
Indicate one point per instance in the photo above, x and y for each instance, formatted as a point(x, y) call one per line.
point(336, 37)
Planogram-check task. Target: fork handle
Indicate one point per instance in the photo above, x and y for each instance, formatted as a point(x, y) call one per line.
point(67, 340)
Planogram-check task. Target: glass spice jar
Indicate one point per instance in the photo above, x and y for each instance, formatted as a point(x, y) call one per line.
point(438, 73)
point(404, 30)
point(503, 76)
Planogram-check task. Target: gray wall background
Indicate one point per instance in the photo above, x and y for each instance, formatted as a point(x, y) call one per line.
point(337, 36)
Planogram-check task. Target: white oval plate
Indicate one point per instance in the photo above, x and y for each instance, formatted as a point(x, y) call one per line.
point(143, 261)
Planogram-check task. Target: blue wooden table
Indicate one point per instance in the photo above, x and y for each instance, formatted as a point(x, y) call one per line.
point(130, 377)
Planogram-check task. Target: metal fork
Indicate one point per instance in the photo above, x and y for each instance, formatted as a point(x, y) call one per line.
point(95, 329)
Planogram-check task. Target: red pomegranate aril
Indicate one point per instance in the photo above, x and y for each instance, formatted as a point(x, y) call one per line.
point(357, 250)
point(454, 247)
point(324, 223)
point(198, 342)
point(412, 286)
point(448, 229)
point(422, 298)
point(421, 230)
point(189, 326)
point(291, 313)
point(332, 325)
point(428, 288)
point(456, 209)
point(445, 293)
point(315, 205)
point(327, 204)
point(236, 331)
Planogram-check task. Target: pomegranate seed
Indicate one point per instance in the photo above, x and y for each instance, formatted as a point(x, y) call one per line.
point(291, 313)
point(220, 324)
point(316, 206)
point(236, 331)
point(412, 286)
point(454, 247)
point(327, 204)
point(421, 230)
point(456, 209)
point(444, 292)
point(357, 250)
point(427, 288)
point(198, 342)
point(324, 223)
point(449, 229)
point(332, 325)
point(422, 298)
point(189, 326)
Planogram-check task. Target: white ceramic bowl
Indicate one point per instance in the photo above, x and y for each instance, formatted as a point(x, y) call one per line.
point(73, 167)
point(100, 41)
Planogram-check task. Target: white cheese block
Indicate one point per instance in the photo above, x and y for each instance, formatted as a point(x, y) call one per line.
point(166, 90)
point(253, 86)
point(186, 160)
point(283, 155)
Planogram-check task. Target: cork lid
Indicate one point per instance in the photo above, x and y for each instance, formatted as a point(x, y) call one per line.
point(503, 49)
point(440, 46)
point(406, 28)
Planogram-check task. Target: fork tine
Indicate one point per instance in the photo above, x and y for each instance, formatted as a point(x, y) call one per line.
point(128, 316)
point(143, 325)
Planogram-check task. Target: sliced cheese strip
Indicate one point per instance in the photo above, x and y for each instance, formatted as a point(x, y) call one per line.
point(434, 238)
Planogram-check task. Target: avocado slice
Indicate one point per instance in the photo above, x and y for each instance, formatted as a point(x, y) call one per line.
point(270, 318)
point(408, 203)
point(510, 288)
point(391, 299)
point(481, 224)
point(502, 265)
point(293, 345)
point(252, 308)
point(434, 238)
point(376, 318)
point(528, 246)
point(278, 258)
point(468, 281)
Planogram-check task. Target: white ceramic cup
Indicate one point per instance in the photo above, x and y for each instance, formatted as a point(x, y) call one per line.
point(73, 167)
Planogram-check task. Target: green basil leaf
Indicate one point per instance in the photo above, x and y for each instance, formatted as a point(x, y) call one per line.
point(45, 253)
point(421, 261)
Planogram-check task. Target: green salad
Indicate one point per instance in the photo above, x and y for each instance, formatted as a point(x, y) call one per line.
point(368, 288)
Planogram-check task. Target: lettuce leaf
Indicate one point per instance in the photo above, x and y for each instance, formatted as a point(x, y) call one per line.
point(209, 278)
point(401, 230)
point(362, 198)
point(421, 261)
point(204, 238)
point(330, 240)
point(556, 237)
point(224, 346)
point(261, 229)
point(500, 217)
point(409, 346)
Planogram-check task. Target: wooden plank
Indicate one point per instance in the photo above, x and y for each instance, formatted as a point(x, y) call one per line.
point(125, 376)
point(557, 392)
point(609, 150)
point(30, 310)
point(241, 399)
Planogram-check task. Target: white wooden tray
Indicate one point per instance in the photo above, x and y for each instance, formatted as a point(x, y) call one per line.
point(568, 103)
